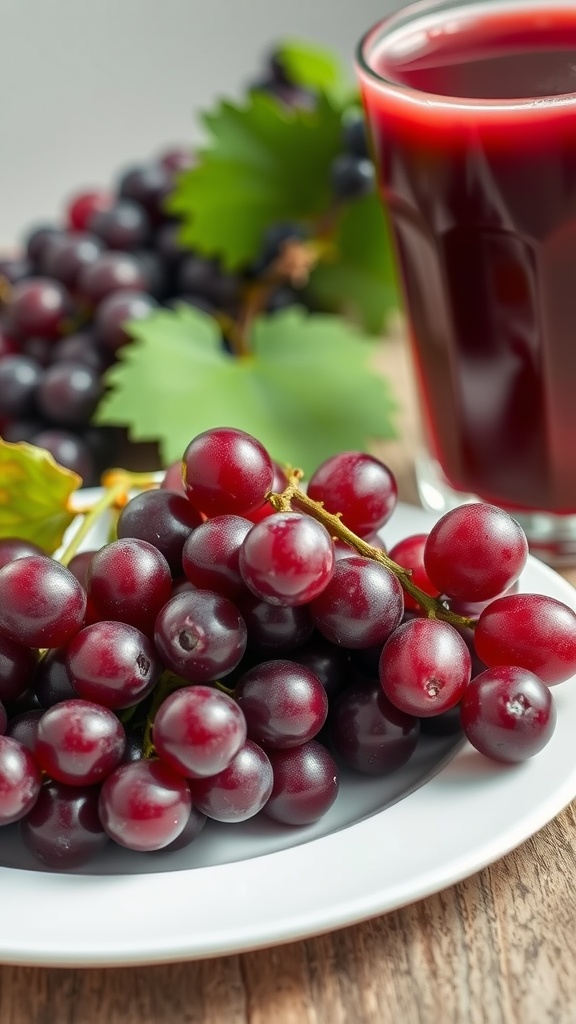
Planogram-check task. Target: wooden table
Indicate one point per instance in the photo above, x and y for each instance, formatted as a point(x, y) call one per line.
point(495, 949)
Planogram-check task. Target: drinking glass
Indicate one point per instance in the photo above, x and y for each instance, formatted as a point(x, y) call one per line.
point(471, 107)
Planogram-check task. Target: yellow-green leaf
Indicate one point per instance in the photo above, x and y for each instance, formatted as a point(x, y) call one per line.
point(35, 495)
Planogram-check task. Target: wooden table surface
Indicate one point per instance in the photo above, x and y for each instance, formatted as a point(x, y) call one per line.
point(495, 949)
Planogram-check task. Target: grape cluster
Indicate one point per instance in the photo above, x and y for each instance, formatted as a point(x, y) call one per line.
point(237, 643)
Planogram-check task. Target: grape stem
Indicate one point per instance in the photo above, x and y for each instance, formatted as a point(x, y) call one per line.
point(293, 499)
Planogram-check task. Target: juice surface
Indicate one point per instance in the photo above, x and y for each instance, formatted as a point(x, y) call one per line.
point(482, 202)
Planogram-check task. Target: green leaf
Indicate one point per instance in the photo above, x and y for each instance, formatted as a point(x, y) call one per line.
point(360, 280)
point(263, 164)
point(35, 495)
point(315, 67)
point(307, 390)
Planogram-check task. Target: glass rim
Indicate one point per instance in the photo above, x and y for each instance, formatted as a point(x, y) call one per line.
point(419, 9)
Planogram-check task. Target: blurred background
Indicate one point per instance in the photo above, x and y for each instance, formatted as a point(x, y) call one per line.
point(89, 86)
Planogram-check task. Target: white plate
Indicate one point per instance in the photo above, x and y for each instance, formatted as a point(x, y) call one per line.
point(385, 843)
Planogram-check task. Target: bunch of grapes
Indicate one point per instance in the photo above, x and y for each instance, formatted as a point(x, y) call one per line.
point(241, 639)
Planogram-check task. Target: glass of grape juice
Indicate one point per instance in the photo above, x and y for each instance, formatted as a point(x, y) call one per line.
point(471, 107)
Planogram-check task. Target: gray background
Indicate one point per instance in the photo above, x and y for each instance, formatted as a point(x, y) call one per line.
point(89, 86)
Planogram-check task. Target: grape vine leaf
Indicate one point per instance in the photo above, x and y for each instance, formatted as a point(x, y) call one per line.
point(263, 164)
point(361, 274)
point(317, 68)
point(307, 390)
point(35, 495)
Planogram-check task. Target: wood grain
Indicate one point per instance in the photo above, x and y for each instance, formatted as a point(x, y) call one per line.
point(498, 948)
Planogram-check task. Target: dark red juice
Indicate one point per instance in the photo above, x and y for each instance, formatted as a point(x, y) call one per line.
point(473, 118)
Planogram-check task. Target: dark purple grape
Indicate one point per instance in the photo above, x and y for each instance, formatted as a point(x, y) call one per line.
point(52, 682)
point(70, 451)
point(124, 226)
point(240, 790)
point(129, 580)
point(508, 713)
point(369, 733)
point(352, 177)
point(80, 348)
point(360, 606)
point(24, 728)
point(68, 392)
point(79, 743)
point(200, 636)
point(63, 829)
point(305, 784)
point(210, 555)
point(112, 272)
point(12, 548)
point(17, 668)
point(22, 430)
point(41, 602)
point(38, 307)
point(275, 629)
point(147, 185)
point(164, 519)
point(284, 703)
point(37, 240)
point(19, 379)
point(66, 260)
point(117, 310)
point(328, 662)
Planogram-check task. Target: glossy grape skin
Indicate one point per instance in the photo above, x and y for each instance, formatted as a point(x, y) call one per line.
point(82, 206)
point(79, 565)
point(326, 661)
point(24, 728)
point(425, 667)
point(115, 311)
point(226, 471)
point(144, 805)
point(532, 631)
point(63, 829)
point(305, 784)
point(38, 308)
point(210, 555)
point(508, 713)
point(113, 664)
point(240, 790)
point(284, 703)
point(12, 548)
point(359, 486)
point(475, 552)
point(409, 553)
point(129, 580)
point(79, 742)
point(198, 730)
point(369, 733)
point(274, 628)
point(37, 241)
point(189, 833)
point(352, 176)
point(3, 719)
point(148, 185)
point(162, 518)
point(41, 602)
point(69, 392)
point(20, 780)
point(17, 668)
point(287, 559)
point(201, 636)
point(65, 261)
point(124, 226)
point(19, 379)
point(361, 605)
point(279, 484)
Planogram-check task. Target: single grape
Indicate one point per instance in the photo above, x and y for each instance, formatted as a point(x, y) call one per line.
point(41, 602)
point(287, 559)
point(24, 728)
point(161, 518)
point(111, 272)
point(79, 565)
point(129, 580)
point(359, 486)
point(352, 176)
point(240, 790)
point(144, 805)
point(284, 703)
point(274, 628)
point(79, 348)
point(508, 713)
point(226, 471)
point(68, 450)
point(79, 742)
point(361, 605)
point(66, 261)
point(38, 307)
point(369, 733)
point(17, 668)
point(124, 226)
point(198, 731)
point(19, 379)
point(425, 667)
point(19, 780)
point(38, 239)
point(112, 663)
point(69, 392)
point(12, 548)
point(201, 636)
point(210, 555)
point(147, 185)
point(82, 206)
point(409, 553)
point(116, 310)
point(532, 631)
point(305, 784)
point(475, 552)
point(63, 829)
